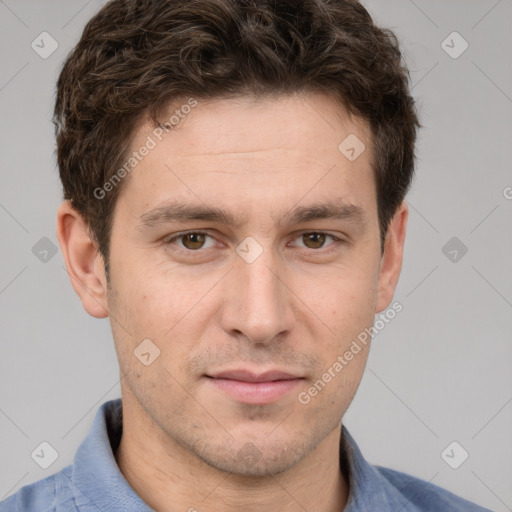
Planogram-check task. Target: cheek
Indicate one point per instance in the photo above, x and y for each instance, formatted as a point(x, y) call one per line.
point(347, 306)
point(146, 298)
point(168, 306)
point(344, 301)
point(149, 325)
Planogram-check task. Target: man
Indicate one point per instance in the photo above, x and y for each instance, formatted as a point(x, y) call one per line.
point(234, 176)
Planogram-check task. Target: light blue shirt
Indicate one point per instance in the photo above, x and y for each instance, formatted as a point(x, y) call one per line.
point(94, 483)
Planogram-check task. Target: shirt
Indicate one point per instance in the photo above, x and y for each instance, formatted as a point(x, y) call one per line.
point(94, 482)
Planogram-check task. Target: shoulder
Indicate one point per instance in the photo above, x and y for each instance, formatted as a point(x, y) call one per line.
point(378, 488)
point(51, 494)
point(426, 496)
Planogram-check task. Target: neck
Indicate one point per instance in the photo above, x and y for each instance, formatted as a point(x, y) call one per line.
point(170, 478)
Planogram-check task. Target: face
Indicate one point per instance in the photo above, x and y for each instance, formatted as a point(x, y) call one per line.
point(245, 247)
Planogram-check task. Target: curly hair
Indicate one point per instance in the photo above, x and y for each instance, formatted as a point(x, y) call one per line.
point(136, 56)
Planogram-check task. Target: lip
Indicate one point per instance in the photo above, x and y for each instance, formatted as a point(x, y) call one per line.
point(251, 388)
point(244, 375)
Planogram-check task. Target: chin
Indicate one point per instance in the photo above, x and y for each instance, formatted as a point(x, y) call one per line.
point(255, 459)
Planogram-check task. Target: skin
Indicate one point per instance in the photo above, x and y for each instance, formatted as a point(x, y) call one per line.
point(297, 307)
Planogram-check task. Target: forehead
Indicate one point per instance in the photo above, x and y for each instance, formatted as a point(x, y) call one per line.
point(249, 123)
point(247, 152)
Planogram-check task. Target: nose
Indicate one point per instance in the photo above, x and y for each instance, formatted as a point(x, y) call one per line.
point(257, 303)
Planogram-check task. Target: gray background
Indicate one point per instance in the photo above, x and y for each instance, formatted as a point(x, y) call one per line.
point(439, 372)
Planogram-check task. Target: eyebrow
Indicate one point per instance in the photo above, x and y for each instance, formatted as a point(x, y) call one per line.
point(175, 211)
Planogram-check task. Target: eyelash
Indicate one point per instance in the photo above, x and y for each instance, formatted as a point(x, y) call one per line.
point(336, 241)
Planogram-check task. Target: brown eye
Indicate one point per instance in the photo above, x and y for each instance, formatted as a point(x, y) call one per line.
point(313, 240)
point(193, 241)
point(316, 240)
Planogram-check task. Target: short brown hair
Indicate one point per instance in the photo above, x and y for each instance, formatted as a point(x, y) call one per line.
point(135, 56)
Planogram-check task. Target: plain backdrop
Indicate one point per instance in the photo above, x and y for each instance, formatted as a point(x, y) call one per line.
point(439, 372)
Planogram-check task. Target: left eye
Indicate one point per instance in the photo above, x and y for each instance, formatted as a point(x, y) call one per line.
point(315, 240)
point(195, 240)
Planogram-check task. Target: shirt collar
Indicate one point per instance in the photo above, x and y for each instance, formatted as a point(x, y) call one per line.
point(369, 489)
point(99, 484)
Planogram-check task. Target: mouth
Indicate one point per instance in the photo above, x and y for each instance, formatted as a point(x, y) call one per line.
point(257, 389)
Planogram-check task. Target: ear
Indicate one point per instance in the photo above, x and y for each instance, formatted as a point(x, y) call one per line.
point(391, 261)
point(84, 263)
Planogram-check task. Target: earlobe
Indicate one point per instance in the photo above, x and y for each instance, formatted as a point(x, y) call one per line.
point(391, 261)
point(84, 262)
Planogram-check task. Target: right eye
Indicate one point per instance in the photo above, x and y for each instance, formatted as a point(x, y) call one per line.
point(191, 240)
